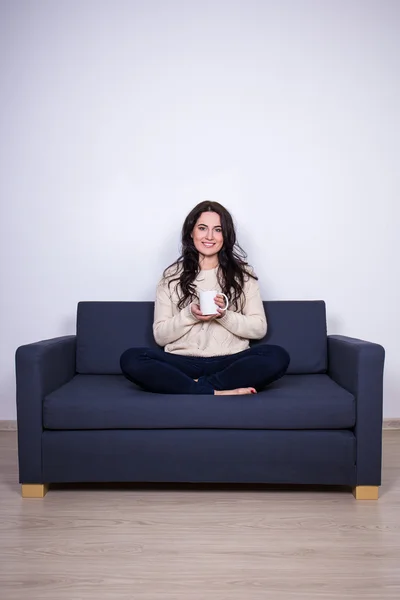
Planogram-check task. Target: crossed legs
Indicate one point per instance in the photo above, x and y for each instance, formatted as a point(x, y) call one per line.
point(162, 372)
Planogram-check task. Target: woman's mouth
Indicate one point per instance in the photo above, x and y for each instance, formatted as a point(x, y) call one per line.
point(208, 244)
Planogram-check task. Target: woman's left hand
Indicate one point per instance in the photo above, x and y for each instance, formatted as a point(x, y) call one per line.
point(220, 302)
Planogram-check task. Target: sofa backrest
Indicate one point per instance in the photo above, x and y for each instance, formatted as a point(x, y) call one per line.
point(106, 329)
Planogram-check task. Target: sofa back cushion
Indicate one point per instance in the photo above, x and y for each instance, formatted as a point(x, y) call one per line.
point(106, 329)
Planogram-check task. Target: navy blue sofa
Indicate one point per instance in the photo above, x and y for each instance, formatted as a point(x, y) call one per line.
point(80, 420)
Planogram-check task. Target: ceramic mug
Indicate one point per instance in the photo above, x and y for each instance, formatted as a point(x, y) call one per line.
point(207, 304)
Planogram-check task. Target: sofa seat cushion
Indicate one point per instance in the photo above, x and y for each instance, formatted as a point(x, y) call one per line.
point(112, 402)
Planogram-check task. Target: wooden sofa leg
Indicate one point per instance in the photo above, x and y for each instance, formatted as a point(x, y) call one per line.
point(366, 492)
point(34, 490)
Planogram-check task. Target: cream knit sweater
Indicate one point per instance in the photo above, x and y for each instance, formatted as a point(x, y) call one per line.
point(180, 332)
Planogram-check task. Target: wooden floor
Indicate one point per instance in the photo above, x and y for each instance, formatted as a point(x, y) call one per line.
point(183, 543)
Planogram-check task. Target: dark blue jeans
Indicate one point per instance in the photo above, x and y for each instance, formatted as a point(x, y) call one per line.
point(166, 373)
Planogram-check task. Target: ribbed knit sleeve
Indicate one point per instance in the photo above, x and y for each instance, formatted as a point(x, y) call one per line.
point(167, 327)
point(252, 323)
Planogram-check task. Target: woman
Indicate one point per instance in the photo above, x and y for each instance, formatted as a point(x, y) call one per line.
point(207, 354)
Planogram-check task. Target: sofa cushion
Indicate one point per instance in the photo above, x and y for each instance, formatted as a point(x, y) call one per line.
point(112, 402)
point(300, 328)
point(106, 329)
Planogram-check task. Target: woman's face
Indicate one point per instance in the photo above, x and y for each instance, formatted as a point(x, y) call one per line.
point(207, 234)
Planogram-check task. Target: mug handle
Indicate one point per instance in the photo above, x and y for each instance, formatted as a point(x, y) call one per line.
point(226, 300)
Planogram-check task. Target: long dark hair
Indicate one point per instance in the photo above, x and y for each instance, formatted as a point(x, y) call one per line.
point(233, 268)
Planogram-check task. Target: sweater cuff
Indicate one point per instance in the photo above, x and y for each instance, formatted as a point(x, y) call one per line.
point(188, 313)
point(227, 319)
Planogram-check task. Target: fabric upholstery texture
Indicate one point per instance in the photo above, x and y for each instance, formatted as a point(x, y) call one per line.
point(357, 366)
point(112, 402)
point(106, 329)
point(80, 420)
point(200, 455)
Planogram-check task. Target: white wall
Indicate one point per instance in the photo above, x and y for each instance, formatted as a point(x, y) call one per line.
point(117, 117)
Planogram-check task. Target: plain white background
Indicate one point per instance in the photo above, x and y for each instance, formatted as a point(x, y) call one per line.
point(117, 117)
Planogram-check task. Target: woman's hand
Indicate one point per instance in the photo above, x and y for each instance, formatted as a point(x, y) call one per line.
point(220, 302)
point(196, 312)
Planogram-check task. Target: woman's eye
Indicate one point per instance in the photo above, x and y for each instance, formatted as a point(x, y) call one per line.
point(202, 228)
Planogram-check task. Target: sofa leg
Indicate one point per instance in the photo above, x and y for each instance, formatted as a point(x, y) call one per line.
point(366, 492)
point(34, 490)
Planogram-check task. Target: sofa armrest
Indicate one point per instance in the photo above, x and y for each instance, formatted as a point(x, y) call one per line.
point(40, 368)
point(357, 366)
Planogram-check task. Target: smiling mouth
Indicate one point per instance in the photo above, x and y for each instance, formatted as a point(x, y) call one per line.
point(208, 244)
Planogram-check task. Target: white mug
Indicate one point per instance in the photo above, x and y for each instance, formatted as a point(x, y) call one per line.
point(207, 304)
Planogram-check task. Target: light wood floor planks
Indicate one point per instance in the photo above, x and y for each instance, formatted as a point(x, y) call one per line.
point(114, 543)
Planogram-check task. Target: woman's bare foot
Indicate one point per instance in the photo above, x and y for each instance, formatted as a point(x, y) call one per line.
point(236, 392)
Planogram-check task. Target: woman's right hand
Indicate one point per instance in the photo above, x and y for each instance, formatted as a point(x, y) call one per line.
point(196, 312)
